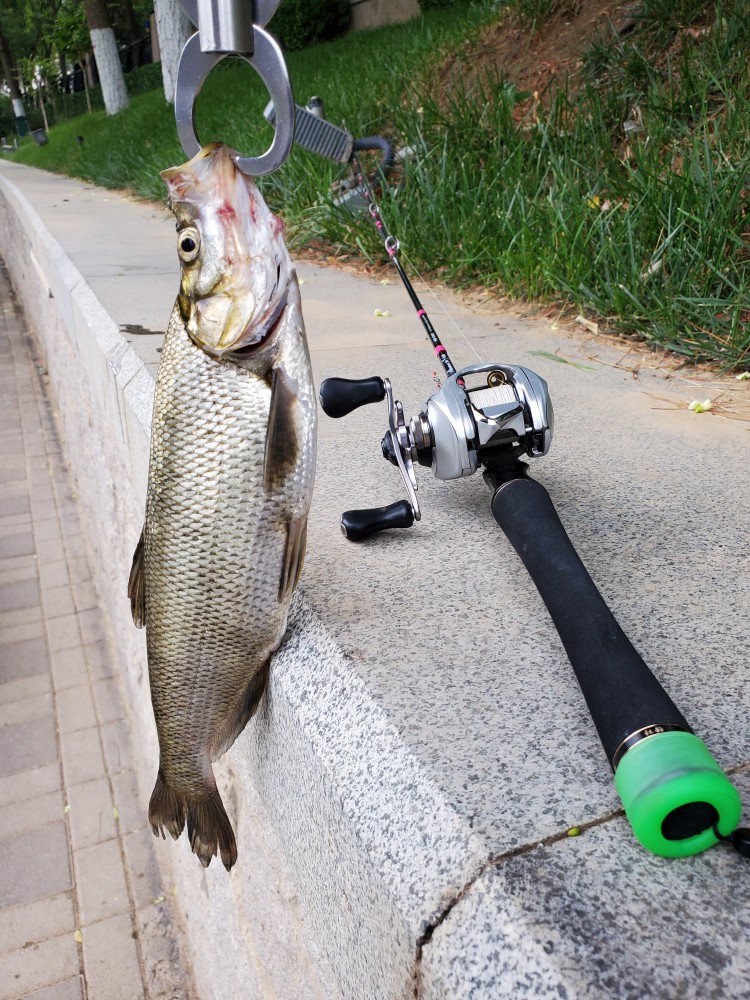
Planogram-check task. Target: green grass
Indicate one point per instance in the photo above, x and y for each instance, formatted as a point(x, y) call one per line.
point(648, 231)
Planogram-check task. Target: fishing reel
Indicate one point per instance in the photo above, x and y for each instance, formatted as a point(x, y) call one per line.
point(485, 414)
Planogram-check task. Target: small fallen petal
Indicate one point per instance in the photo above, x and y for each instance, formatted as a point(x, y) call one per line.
point(386, 281)
point(378, 312)
point(78, 936)
point(743, 377)
point(66, 810)
point(701, 407)
point(385, 313)
point(300, 281)
point(116, 813)
point(574, 831)
point(157, 899)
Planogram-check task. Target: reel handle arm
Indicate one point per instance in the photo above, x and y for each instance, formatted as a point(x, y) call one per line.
point(676, 797)
point(339, 396)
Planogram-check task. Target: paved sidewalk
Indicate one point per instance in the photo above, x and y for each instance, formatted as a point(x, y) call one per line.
point(83, 913)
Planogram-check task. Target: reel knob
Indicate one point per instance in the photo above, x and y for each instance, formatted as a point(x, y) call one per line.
point(359, 524)
point(339, 396)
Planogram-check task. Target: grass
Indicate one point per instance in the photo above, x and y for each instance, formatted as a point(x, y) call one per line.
point(626, 195)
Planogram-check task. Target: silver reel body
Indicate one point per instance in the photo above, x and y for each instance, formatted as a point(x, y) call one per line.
point(482, 412)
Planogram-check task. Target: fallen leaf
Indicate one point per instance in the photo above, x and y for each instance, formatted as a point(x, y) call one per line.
point(563, 361)
point(588, 323)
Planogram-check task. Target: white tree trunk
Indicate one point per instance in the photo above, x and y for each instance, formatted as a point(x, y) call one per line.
point(111, 77)
point(173, 28)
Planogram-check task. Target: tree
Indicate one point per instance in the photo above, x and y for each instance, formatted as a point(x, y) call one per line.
point(173, 29)
point(6, 63)
point(70, 38)
point(107, 57)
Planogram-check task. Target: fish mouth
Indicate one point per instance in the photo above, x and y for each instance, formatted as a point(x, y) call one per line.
point(260, 337)
point(255, 335)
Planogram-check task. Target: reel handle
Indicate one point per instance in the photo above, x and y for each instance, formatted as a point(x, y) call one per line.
point(359, 524)
point(675, 794)
point(339, 396)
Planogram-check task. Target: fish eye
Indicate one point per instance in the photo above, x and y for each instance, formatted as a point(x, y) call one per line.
point(188, 245)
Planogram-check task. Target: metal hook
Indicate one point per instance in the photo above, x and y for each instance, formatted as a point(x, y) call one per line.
point(223, 28)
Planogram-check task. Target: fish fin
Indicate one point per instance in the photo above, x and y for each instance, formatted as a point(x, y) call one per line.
point(294, 556)
point(209, 829)
point(136, 588)
point(282, 443)
point(248, 706)
point(166, 809)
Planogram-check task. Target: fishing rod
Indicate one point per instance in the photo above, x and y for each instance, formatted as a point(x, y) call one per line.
point(492, 416)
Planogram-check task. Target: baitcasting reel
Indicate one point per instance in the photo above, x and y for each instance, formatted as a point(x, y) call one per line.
point(468, 422)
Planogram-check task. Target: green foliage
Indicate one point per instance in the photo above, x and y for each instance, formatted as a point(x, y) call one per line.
point(300, 23)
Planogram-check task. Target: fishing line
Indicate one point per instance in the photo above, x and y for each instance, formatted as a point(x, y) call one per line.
point(426, 284)
point(392, 248)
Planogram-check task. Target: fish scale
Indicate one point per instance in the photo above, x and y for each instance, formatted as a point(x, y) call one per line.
point(230, 482)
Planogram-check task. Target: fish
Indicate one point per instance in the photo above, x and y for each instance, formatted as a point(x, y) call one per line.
point(231, 474)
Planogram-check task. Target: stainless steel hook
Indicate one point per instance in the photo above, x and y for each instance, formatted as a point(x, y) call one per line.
point(232, 27)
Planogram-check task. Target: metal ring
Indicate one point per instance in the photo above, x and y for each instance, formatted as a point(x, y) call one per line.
point(268, 62)
point(391, 243)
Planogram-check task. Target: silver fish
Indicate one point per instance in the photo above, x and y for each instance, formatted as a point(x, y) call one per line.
point(230, 483)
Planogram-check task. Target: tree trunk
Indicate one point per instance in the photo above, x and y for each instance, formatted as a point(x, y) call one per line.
point(135, 28)
point(173, 29)
point(107, 57)
point(6, 63)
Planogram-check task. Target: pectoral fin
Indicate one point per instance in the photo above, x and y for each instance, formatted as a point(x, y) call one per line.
point(136, 588)
point(282, 443)
point(294, 556)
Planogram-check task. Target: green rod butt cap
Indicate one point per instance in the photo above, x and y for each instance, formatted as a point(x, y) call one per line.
point(674, 792)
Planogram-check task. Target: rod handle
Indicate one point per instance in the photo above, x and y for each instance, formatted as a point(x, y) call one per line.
point(675, 794)
point(622, 694)
point(359, 524)
point(339, 396)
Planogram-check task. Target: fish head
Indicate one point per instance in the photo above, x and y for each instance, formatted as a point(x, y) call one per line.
point(235, 265)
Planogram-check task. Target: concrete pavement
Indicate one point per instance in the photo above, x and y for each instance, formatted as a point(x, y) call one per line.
point(84, 911)
point(427, 748)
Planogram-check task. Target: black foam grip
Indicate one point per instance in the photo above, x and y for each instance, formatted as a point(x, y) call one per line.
point(622, 694)
point(358, 524)
point(339, 396)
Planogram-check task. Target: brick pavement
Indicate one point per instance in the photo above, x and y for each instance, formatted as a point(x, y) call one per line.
point(84, 914)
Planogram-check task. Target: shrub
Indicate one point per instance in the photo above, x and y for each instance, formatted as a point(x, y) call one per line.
point(299, 23)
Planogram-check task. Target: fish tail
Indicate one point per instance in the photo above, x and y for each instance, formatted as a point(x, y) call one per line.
point(209, 829)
